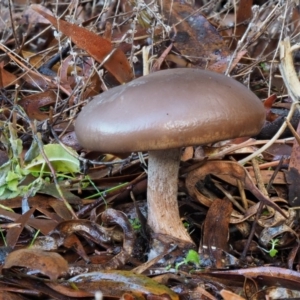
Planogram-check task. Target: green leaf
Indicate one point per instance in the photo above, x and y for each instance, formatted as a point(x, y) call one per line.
point(61, 160)
point(12, 176)
point(2, 190)
point(12, 185)
point(192, 257)
point(273, 252)
point(10, 194)
point(135, 223)
point(20, 171)
point(122, 281)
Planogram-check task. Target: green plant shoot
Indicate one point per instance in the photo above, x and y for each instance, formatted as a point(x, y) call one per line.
point(272, 252)
point(191, 257)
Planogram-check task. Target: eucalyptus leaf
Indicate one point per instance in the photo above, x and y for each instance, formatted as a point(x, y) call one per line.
point(61, 160)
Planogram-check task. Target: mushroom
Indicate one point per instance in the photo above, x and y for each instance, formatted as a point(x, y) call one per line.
point(161, 113)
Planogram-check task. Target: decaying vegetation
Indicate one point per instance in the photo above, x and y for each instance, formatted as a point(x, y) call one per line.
point(74, 221)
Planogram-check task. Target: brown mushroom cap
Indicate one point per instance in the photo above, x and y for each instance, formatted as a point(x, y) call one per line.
point(169, 109)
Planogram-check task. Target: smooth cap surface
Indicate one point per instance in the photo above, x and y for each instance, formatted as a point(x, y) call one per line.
point(169, 109)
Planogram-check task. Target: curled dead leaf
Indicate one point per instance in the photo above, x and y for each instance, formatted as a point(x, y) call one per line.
point(37, 261)
point(270, 233)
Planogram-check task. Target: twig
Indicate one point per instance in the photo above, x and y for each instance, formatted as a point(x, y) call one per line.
point(292, 84)
point(278, 46)
point(242, 193)
point(13, 25)
point(293, 131)
point(259, 210)
point(274, 138)
point(278, 167)
point(252, 232)
point(258, 177)
point(230, 197)
point(287, 69)
point(248, 143)
point(291, 81)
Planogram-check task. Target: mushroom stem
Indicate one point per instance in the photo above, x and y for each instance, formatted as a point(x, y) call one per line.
point(163, 211)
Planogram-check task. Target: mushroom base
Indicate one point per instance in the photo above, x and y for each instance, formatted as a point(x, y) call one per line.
point(163, 211)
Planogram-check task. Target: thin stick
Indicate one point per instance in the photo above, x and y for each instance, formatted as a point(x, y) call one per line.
point(291, 81)
point(274, 138)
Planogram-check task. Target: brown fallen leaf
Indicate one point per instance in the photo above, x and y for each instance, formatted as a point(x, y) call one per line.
point(6, 78)
point(227, 168)
point(45, 226)
point(194, 37)
point(263, 275)
point(243, 18)
point(44, 288)
point(228, 295)
point(10, 296)
point(73, 242)
point(34, 103)
point(216, 230)
point(221, 65)
point(86, 228)
point(13, 233)
point(268, 234)
point(37, 80)
point(99, 48)
point(269, 102)
point(47, 263)
point(115, 283)
point(69, 291)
